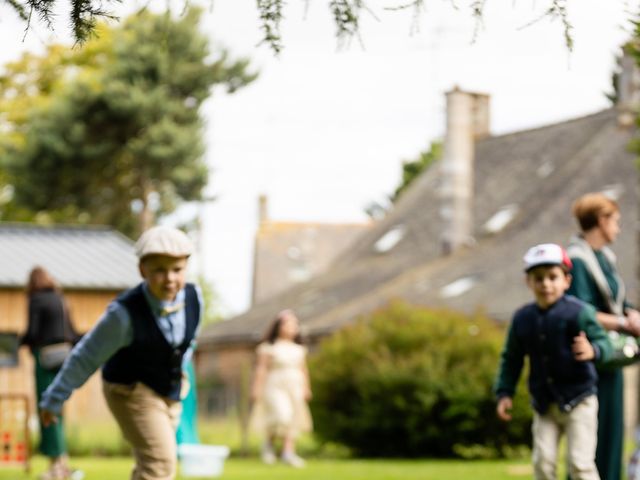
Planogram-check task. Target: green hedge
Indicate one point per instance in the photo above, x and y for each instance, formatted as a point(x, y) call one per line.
point(410, 381)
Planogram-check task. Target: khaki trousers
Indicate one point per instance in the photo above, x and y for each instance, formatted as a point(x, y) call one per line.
point(148, 422)
point(581, 428)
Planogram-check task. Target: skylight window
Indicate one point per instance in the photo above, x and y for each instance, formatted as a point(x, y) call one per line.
point(457, 287)
point(294, 253)
point(614, 191)
point(545, 169)
point(501, 218)
point(390, 239)
point(299, 273)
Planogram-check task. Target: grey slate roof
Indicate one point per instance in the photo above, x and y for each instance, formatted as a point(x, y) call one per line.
point(536, 174)
point(91, 258)
point(287, 253)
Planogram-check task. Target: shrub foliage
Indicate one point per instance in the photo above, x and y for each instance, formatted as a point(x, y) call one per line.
point(410, 381)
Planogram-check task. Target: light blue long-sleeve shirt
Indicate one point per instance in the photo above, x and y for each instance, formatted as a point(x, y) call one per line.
point(114, 331)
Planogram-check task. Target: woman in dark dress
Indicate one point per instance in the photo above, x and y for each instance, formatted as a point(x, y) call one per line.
point(48, 324)
point(596, 281)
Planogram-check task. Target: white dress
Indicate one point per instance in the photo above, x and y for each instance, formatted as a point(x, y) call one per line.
point(282, 408)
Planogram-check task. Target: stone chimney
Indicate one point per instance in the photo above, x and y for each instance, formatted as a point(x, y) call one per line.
point(467, 121)
point(628, 90)
point(263, 209)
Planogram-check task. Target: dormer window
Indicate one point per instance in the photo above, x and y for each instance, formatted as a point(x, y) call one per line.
point(614, 191)
point(545, 169)
point(390, 239)
point(501, 218)
point(457, 287)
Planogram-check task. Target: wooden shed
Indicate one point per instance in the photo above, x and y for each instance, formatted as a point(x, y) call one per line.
point(92, 264)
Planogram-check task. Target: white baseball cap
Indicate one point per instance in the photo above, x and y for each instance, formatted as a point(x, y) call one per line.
point(546, 254)
point(161, 240)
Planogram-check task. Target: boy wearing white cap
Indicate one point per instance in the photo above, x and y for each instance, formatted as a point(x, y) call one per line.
point(562, 339)
point(141, 342)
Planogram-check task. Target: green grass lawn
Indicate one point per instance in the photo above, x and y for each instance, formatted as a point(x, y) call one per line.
point(248, 469)
point(94, 445)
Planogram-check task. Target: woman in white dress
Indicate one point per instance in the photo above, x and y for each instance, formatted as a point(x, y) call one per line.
point(281, 389)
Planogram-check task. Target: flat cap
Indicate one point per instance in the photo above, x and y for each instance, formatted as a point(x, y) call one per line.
point(161, 240)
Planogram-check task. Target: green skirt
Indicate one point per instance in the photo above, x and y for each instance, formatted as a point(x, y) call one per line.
point(52, 442)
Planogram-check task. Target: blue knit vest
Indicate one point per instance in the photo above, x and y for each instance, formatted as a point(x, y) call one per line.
point(150, 358)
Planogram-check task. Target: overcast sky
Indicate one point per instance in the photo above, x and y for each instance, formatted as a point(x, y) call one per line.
point(323, 131)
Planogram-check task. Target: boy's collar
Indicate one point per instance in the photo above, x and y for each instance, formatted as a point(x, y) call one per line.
point(550, 306)
point(163, 307)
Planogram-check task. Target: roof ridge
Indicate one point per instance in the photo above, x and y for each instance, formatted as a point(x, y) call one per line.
point(63, 228)
point(56, 226)
point(294, 223)
point(605, 113)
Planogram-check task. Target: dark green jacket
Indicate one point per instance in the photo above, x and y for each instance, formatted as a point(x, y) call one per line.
point(546, 336)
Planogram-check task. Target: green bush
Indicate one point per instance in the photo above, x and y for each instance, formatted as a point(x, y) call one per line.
point(410, 381)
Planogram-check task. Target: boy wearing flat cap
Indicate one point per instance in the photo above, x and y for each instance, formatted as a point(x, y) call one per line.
point(141, 342)
point(562, 339)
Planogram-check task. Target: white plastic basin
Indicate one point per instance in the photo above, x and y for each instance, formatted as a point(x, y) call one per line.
point(202, 460)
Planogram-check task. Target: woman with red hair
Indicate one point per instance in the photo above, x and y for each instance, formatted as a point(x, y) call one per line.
point(595, 280)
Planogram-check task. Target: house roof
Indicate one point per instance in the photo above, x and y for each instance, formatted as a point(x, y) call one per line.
point(524, 185)
point(91, 258)
point(287, 253)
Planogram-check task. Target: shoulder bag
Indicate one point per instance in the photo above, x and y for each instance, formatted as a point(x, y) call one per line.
point(53, 356)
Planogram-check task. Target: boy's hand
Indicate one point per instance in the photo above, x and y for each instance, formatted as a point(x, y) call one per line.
point(503, 408)
point(582, 349)
point(48, 418)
